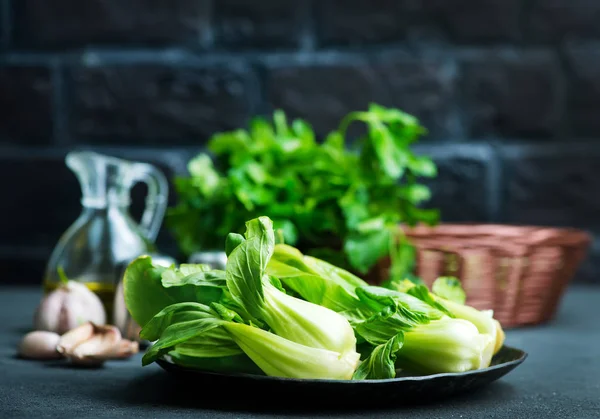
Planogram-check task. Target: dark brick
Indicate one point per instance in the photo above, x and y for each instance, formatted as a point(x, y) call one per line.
point(553, 185)
point(509, 94)
point(559, 20)
point(45, 197)
point(359, 22)
point(4, 24)
point(463, 180)
point(589, 271)
point(24, 268)
point(267, 23)
point(356, 21)
point(466, 174)
point(26, 103)
point(324, 93)
point(157, 104)
point(476, 21)
point(584, 90)
point(73, 23)
point(44, 201)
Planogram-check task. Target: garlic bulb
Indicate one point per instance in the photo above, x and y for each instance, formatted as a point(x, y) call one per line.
point(39, 345)
point(67, 307)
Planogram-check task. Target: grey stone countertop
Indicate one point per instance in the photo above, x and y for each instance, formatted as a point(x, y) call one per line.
point(560, 378)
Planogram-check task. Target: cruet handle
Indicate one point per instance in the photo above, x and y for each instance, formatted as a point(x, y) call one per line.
point(156, 200)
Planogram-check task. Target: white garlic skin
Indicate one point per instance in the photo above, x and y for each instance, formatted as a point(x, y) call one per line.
point(40, 345)
point(67, 307)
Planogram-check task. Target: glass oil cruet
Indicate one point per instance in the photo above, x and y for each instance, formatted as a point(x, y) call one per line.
point(94, 249)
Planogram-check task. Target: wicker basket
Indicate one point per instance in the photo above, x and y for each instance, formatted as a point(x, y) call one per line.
point(519, 272)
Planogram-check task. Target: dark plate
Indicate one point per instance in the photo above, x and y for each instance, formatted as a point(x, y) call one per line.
point(401, 390)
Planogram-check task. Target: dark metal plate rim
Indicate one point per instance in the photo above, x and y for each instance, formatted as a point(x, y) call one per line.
point(522, 356)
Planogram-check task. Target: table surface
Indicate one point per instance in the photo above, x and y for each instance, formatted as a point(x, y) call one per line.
point(560, 378)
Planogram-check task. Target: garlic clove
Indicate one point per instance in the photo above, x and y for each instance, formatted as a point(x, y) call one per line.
point(75, 337)
point(126, 348)
point(39, 345)
point(102, 343)
point(91, 344)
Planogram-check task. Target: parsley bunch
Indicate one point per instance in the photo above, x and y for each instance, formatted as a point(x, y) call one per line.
point(338, 202)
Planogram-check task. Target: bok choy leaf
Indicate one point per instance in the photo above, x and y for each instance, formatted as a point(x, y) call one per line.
point(273, 354)
point(381, 362)
point(289, 317)
point(315, 280)
point(149, 288)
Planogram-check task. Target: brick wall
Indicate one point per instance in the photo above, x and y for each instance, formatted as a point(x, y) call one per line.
point(508, 89)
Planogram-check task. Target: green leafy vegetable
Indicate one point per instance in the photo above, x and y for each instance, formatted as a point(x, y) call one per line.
point(247, 263)
point(184, 331)
point(385, 318)
point(484, 323)
point(433, 340)
point(281, 357)
point(294, 319)
point(233, 240)
point(244, 319)
point(449, 288)
point(144, 293)
point(382, 326)
point(319, 194)
point(315, 280)
point(149, 288)
point(445, 345)
point(178, 333)
point(175, 313)
point(413, 310)
point(379, 315)
point(381, 362)
point(402, 264)
point(199, 280)
point(193, 336)
point(365, 249)
point(417, 290)
point(186, 356)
